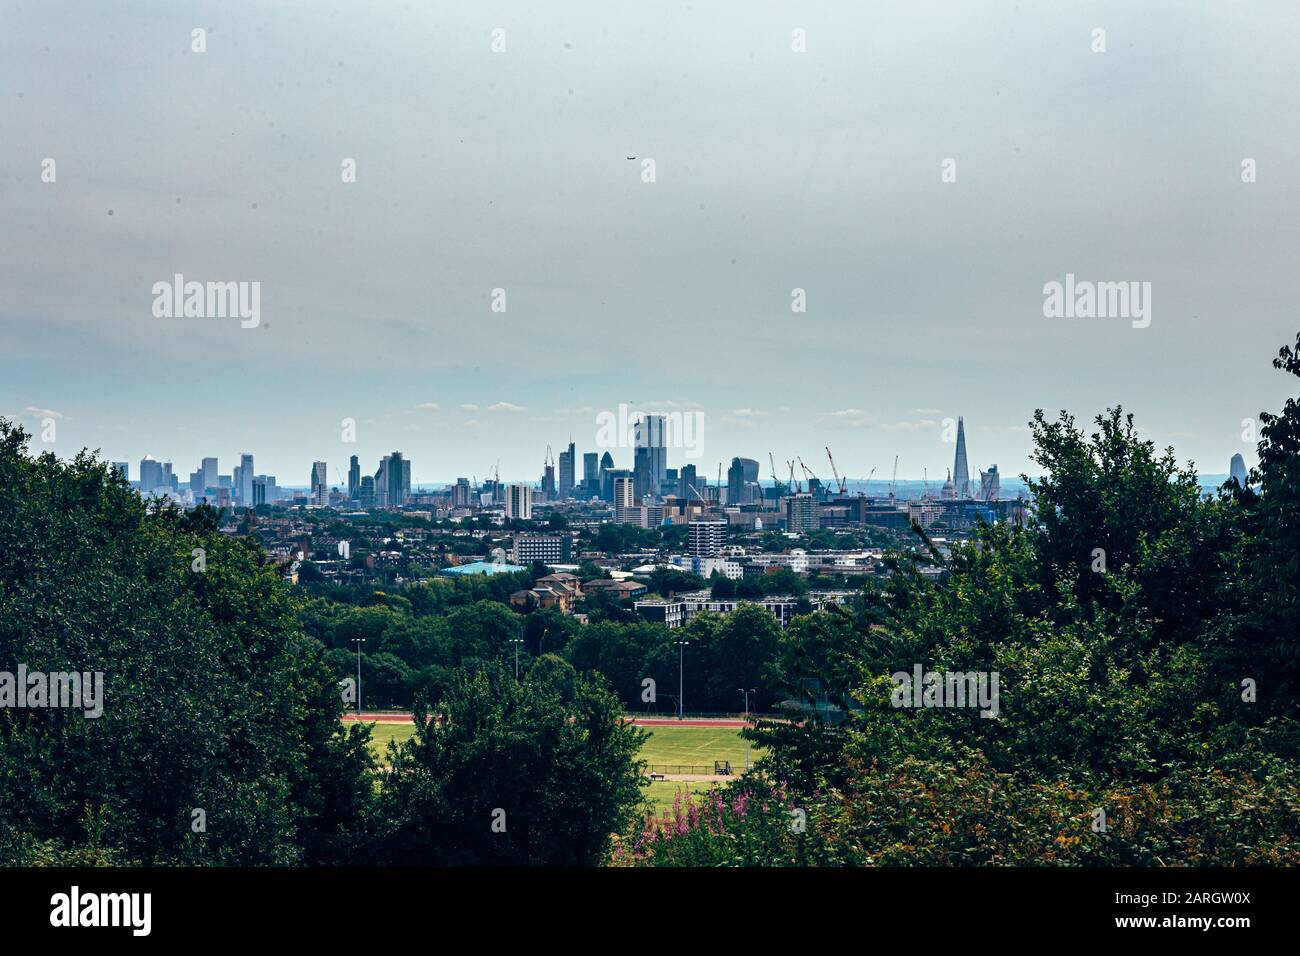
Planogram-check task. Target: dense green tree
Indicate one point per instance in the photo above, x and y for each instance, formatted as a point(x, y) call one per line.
point(506, 772)
point(214, 699)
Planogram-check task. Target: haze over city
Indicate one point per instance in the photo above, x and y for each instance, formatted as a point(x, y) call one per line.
point(523, 170)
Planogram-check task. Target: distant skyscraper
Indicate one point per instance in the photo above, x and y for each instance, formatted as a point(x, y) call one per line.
point(650, 463)
point(590, 475)
point(519, 501)
point(151, 474)
point(354, 479)
point(245, 485)
point(123, 468)
point(1238, 470)
point(210, 477)
point(367, 493)
point(399, 480)
point(320, 489)
point(735, 482)
point(567, 471)
point(990, 484)
point(686, 481)
point(461, 493)
point(606, 485)
point(548, 478)
point(624, 490)
point(960, 467)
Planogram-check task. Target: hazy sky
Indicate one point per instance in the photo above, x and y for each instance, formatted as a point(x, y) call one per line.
point(774, 170)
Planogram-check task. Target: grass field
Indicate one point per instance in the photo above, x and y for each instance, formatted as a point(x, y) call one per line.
point(699, 746)
point(381, 734)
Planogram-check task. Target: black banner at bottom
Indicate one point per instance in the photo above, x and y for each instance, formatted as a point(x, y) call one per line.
point(639, 906)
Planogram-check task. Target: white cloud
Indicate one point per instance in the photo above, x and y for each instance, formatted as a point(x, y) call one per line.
point(910, 426)
point(43, 412)
point(854, 417)
point(506, 407)
point(428, 406)
point(470, 407)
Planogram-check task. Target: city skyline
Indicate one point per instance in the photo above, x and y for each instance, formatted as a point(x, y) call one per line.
point(509, 171)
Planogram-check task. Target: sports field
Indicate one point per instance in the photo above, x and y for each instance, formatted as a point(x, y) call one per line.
point(674, 749)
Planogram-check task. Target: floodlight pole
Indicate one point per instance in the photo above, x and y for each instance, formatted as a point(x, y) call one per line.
point(746, 715)
point(358, 641)
point(681, 677)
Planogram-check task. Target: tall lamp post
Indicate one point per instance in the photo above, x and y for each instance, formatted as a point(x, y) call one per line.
point(681, 677)
point(516, 641)
point(358, 641)
point(747, 693)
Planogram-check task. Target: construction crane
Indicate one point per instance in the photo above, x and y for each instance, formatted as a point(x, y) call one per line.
point(893, 482)
point(841, 483)
point(776, 484)
point(794, 482)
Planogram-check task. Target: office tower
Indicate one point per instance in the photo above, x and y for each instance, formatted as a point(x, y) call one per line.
point(123, 468)
point(320, 489)
point(151, 474)
point(245, 484)
point(168, 479)
point(209, 466)
point(1237, 469)
point(367, 492)
point(548, 482)
point(960, 468)
point(354, 478)
point(606, 485)
point(686, 481)
point(196, 483)
point(707, 537)
point(259, 491)
point(381, 482)
point(566, 471)
point(990, 484)
point(641, 469)
point(519, 501)
point(395, 478)
point(801, 513)
point(651, 454)
point(590, 474)
point(461, 493)
point(624, 490)
point(735, 482)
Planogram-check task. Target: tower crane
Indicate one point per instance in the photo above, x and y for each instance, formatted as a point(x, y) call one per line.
point(841, 483)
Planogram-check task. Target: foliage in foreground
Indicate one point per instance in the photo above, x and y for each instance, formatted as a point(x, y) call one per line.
point(1146, 640)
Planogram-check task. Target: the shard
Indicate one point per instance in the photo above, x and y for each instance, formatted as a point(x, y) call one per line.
point(960, 467)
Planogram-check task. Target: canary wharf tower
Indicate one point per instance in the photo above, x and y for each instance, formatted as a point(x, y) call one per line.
point(960, 467)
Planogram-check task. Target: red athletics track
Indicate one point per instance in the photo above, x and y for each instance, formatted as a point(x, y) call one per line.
point(636, 721)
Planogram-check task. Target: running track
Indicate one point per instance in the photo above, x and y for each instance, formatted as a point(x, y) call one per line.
point(636, 721)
